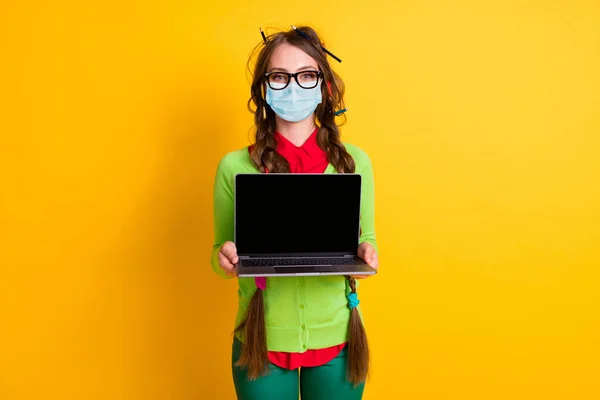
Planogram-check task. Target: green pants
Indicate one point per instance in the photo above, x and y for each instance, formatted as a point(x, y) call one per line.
point(326, 382)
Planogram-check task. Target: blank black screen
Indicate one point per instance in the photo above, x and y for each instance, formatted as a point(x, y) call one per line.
point(297, 213)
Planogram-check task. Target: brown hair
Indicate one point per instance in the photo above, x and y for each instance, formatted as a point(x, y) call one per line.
point(358, 346)
point(254, 355)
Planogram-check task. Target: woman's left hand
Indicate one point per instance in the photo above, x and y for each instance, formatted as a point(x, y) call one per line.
point(367, 252)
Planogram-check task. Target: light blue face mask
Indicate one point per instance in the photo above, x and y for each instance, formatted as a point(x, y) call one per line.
point(294, 103)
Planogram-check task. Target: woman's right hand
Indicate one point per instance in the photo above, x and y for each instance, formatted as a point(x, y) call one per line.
point(228, 258)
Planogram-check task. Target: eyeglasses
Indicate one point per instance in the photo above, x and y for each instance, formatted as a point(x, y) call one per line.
point(305, 79)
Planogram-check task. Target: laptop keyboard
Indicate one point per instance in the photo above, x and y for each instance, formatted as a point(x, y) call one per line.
point(278, 262)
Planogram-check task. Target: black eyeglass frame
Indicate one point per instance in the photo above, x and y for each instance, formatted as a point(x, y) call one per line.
point(295, 76)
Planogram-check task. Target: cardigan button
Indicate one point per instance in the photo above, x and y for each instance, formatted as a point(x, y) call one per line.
point(301, 305)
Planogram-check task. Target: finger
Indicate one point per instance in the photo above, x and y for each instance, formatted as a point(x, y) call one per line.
point(225, 263)
point(369, 251)
point(360, 276)
point(229, 269)
point(375, 261)
point(230, 251)
point(372, 259)
point(368, 254)
point(362, 249)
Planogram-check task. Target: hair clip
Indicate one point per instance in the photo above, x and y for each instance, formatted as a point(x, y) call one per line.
point(353, 300)
point(263, 36)
point(304, 35)
point(340, 112)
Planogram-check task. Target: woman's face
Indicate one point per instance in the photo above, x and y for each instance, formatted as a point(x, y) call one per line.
point(292, 99)
point(288, 58)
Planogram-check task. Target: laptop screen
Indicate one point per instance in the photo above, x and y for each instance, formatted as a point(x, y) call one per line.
point(297, 213)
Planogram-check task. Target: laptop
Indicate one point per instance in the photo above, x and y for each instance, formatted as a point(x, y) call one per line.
point(298, 225)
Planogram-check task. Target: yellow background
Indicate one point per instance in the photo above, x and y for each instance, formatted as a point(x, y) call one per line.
point(482, 119)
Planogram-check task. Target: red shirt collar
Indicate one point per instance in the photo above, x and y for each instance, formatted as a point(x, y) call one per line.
point(308, 158)
point(289, 149)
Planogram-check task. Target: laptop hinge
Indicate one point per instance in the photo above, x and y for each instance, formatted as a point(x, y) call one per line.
point(297, 255)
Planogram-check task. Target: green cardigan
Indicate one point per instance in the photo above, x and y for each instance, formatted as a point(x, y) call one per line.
point(301, 312)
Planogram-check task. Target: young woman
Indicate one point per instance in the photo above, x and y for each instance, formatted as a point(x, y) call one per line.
point(296, 333)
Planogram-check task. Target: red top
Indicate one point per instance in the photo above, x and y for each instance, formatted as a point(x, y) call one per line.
point(308, 158)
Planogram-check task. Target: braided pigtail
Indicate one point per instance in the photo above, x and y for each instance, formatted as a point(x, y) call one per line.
point(358, 347)
point(254, 356)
